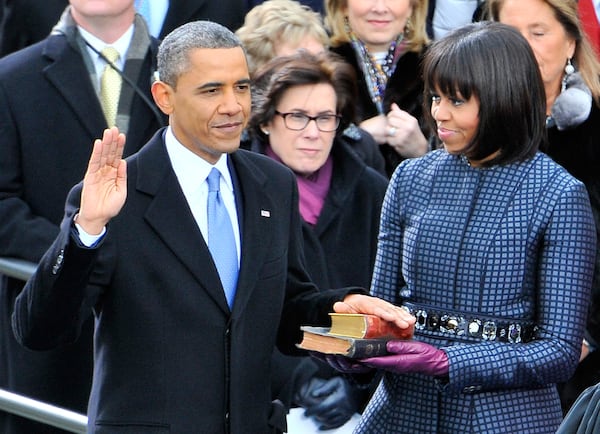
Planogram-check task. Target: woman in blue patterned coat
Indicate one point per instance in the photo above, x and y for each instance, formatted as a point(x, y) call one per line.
point(490, 244)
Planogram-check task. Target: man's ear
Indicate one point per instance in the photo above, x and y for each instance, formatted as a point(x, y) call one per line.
point(162, 94)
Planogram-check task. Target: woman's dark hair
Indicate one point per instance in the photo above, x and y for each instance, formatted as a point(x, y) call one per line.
point(274, 79)
point(494, 63)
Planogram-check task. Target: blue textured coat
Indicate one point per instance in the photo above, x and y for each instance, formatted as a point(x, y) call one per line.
point(512, 241)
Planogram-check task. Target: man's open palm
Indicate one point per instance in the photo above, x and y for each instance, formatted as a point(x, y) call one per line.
point(105, 182)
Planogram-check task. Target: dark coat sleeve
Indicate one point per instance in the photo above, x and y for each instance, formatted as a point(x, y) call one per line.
point(27, 21)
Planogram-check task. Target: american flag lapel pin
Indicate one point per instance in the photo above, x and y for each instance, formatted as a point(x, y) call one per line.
point(265, 213)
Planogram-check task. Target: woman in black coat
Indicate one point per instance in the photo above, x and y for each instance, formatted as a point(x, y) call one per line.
point(297, 120)
point(384, 43)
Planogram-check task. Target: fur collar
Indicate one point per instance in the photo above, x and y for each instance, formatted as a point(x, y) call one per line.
point(573, 105)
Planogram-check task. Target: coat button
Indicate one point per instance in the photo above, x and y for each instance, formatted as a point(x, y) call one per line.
point(58, 262)
point(471, 389)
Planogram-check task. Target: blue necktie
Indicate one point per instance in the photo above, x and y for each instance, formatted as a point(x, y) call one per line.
point(221, 241)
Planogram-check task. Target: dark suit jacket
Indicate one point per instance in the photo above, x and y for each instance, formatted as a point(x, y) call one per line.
point(229, 13)
point(26, 22)
point(49, 116)
point(169, 353)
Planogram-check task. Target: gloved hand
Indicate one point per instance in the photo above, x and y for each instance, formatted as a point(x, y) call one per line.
point(411, 357)
point(330, 402)
point(342, 364)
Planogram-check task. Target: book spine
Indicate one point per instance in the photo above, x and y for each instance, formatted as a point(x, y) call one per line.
point(363, 348)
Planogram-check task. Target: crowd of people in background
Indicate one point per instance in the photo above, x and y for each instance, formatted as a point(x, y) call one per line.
point(43, 86)
point(362, 101)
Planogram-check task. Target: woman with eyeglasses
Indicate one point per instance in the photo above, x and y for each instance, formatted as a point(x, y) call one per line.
point(301, 105)
point(282, 27)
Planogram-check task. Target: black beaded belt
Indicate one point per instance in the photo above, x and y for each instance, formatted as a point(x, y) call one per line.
point(470, 325)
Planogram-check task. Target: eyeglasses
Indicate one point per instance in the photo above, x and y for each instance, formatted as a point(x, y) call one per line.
point(297, 121)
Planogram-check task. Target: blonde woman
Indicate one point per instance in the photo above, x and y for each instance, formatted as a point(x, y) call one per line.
point(279, 28)
point(384, 41)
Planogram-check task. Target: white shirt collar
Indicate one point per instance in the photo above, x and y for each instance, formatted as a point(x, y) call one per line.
point(121, 45)
point(192, 170)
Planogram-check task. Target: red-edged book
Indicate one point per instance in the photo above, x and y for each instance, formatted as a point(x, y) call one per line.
point(353, 335)
point(366, 326)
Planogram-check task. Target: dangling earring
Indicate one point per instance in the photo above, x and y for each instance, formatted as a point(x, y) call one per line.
point(569, 68)
point(265, 132)
point(408, 28)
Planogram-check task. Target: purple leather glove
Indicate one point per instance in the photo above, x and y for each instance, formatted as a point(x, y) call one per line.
point(411, 357)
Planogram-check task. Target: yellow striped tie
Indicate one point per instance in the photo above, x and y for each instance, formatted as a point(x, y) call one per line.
point(110, 86)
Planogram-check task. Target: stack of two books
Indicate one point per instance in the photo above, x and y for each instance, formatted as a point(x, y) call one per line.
point(356, 336)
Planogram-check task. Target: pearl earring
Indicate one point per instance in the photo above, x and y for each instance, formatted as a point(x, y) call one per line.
point(265, 132)
point(569, 68)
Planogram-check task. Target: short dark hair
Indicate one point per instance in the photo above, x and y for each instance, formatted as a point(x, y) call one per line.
point(494, 63)
point(276, 77)
point(174, 51)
